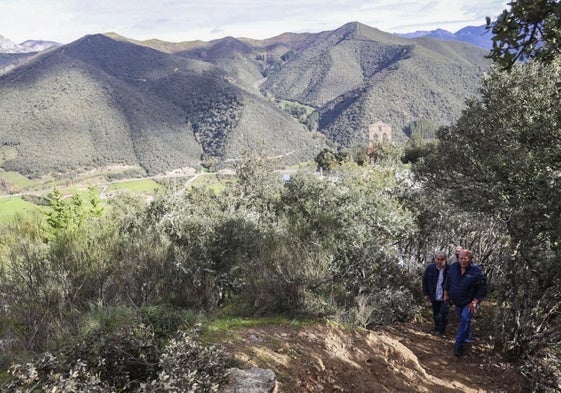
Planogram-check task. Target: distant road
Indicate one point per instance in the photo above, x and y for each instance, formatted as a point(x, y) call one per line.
point(105, 185)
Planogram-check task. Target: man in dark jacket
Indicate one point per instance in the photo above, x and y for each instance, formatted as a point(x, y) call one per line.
point(433, 290)
point(456, 256)
point(465, 287)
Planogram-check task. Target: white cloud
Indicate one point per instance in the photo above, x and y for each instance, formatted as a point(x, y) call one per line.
point(176, 20)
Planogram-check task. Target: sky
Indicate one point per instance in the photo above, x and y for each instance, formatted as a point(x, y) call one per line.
point(65, 21)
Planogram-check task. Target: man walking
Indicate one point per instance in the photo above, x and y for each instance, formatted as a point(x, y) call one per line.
point(465, 287)
point(433, 290)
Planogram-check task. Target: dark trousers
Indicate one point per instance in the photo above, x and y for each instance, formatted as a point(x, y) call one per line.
point(440, 314)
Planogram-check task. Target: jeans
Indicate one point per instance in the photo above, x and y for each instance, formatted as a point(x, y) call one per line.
point(440, 315)
point(464, 332)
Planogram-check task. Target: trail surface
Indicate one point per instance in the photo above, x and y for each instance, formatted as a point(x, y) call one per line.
point(322, 357)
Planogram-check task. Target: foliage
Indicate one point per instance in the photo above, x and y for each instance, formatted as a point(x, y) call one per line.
point(508, 167)
point(384, 307)
point(441, 226)
point(385, 153)
point(49, 375)
point(328, 160)
point(360, 230)
point(127, 361)
point(66, 217)
point(186, 364)
point(415, 149)
point(528, 29)
point(312, 246)
point(422, 127)
point(213, 119)
point(543, 373)
point(50, 272)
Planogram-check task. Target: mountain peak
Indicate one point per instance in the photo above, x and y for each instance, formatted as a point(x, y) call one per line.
point(357, 30)
point(8, 46)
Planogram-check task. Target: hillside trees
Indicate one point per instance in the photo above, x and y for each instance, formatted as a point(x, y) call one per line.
point(356, 216)
point(503, 159)
point(327, 159)
point(49, 273)
point(422, 127)
point(314, 245)
point(440, 225)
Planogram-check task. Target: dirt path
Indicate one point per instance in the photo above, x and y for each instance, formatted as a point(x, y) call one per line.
point(479, 370)
point(323, 357)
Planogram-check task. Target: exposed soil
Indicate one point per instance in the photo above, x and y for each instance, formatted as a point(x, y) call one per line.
point(406, 357)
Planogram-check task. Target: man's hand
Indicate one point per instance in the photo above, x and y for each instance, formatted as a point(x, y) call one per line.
point(473, 306)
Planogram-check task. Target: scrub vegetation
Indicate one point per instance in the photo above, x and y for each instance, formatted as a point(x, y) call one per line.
point(128, 295)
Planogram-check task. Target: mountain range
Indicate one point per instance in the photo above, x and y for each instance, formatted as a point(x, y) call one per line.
point(474, 35)
point(106, 99)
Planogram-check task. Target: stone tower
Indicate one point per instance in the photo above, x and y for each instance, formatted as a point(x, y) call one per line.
point(379, 132)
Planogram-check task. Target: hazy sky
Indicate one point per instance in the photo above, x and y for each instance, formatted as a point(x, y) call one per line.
point(175, 20)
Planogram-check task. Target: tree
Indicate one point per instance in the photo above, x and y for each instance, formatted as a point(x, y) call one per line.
point(415, 148)
point(356, 218)
point(423, 127)
point(503, 158)
point(327, 159)
point(71, 216)
point(529, 29)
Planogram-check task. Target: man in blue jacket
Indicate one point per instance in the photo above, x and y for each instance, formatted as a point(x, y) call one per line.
point(433, 290)
point(465, 287)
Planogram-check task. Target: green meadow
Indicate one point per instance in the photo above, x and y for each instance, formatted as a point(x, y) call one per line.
point(14, 206)
point(11, 208)
point(144, 186)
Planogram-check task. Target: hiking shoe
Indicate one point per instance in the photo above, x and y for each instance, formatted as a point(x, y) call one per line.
point(458, 350)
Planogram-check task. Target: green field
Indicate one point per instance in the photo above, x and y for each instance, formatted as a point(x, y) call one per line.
point(12, 208)
point(144, 186)
point(217, 183)
point(288, 104)
point(14, 182)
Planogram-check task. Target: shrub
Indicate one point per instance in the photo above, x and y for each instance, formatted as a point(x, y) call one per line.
point(100, 362)
point(45, 374)
point(543, 372)
point(128, 361)
point(186, 364)
point(165, 320)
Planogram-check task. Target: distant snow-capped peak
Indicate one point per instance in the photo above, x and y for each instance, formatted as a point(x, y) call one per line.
point(8, 46)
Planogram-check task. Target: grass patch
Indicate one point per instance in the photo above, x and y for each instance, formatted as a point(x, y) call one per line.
point(287, 105)
point(15, 182)
point(217, 183)
point(145, 186)
point(217, 329)
point(14, 208)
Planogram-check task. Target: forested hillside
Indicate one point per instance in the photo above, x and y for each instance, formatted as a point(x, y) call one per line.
point(105, 100)
point(357, 75)
point(99, 102)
